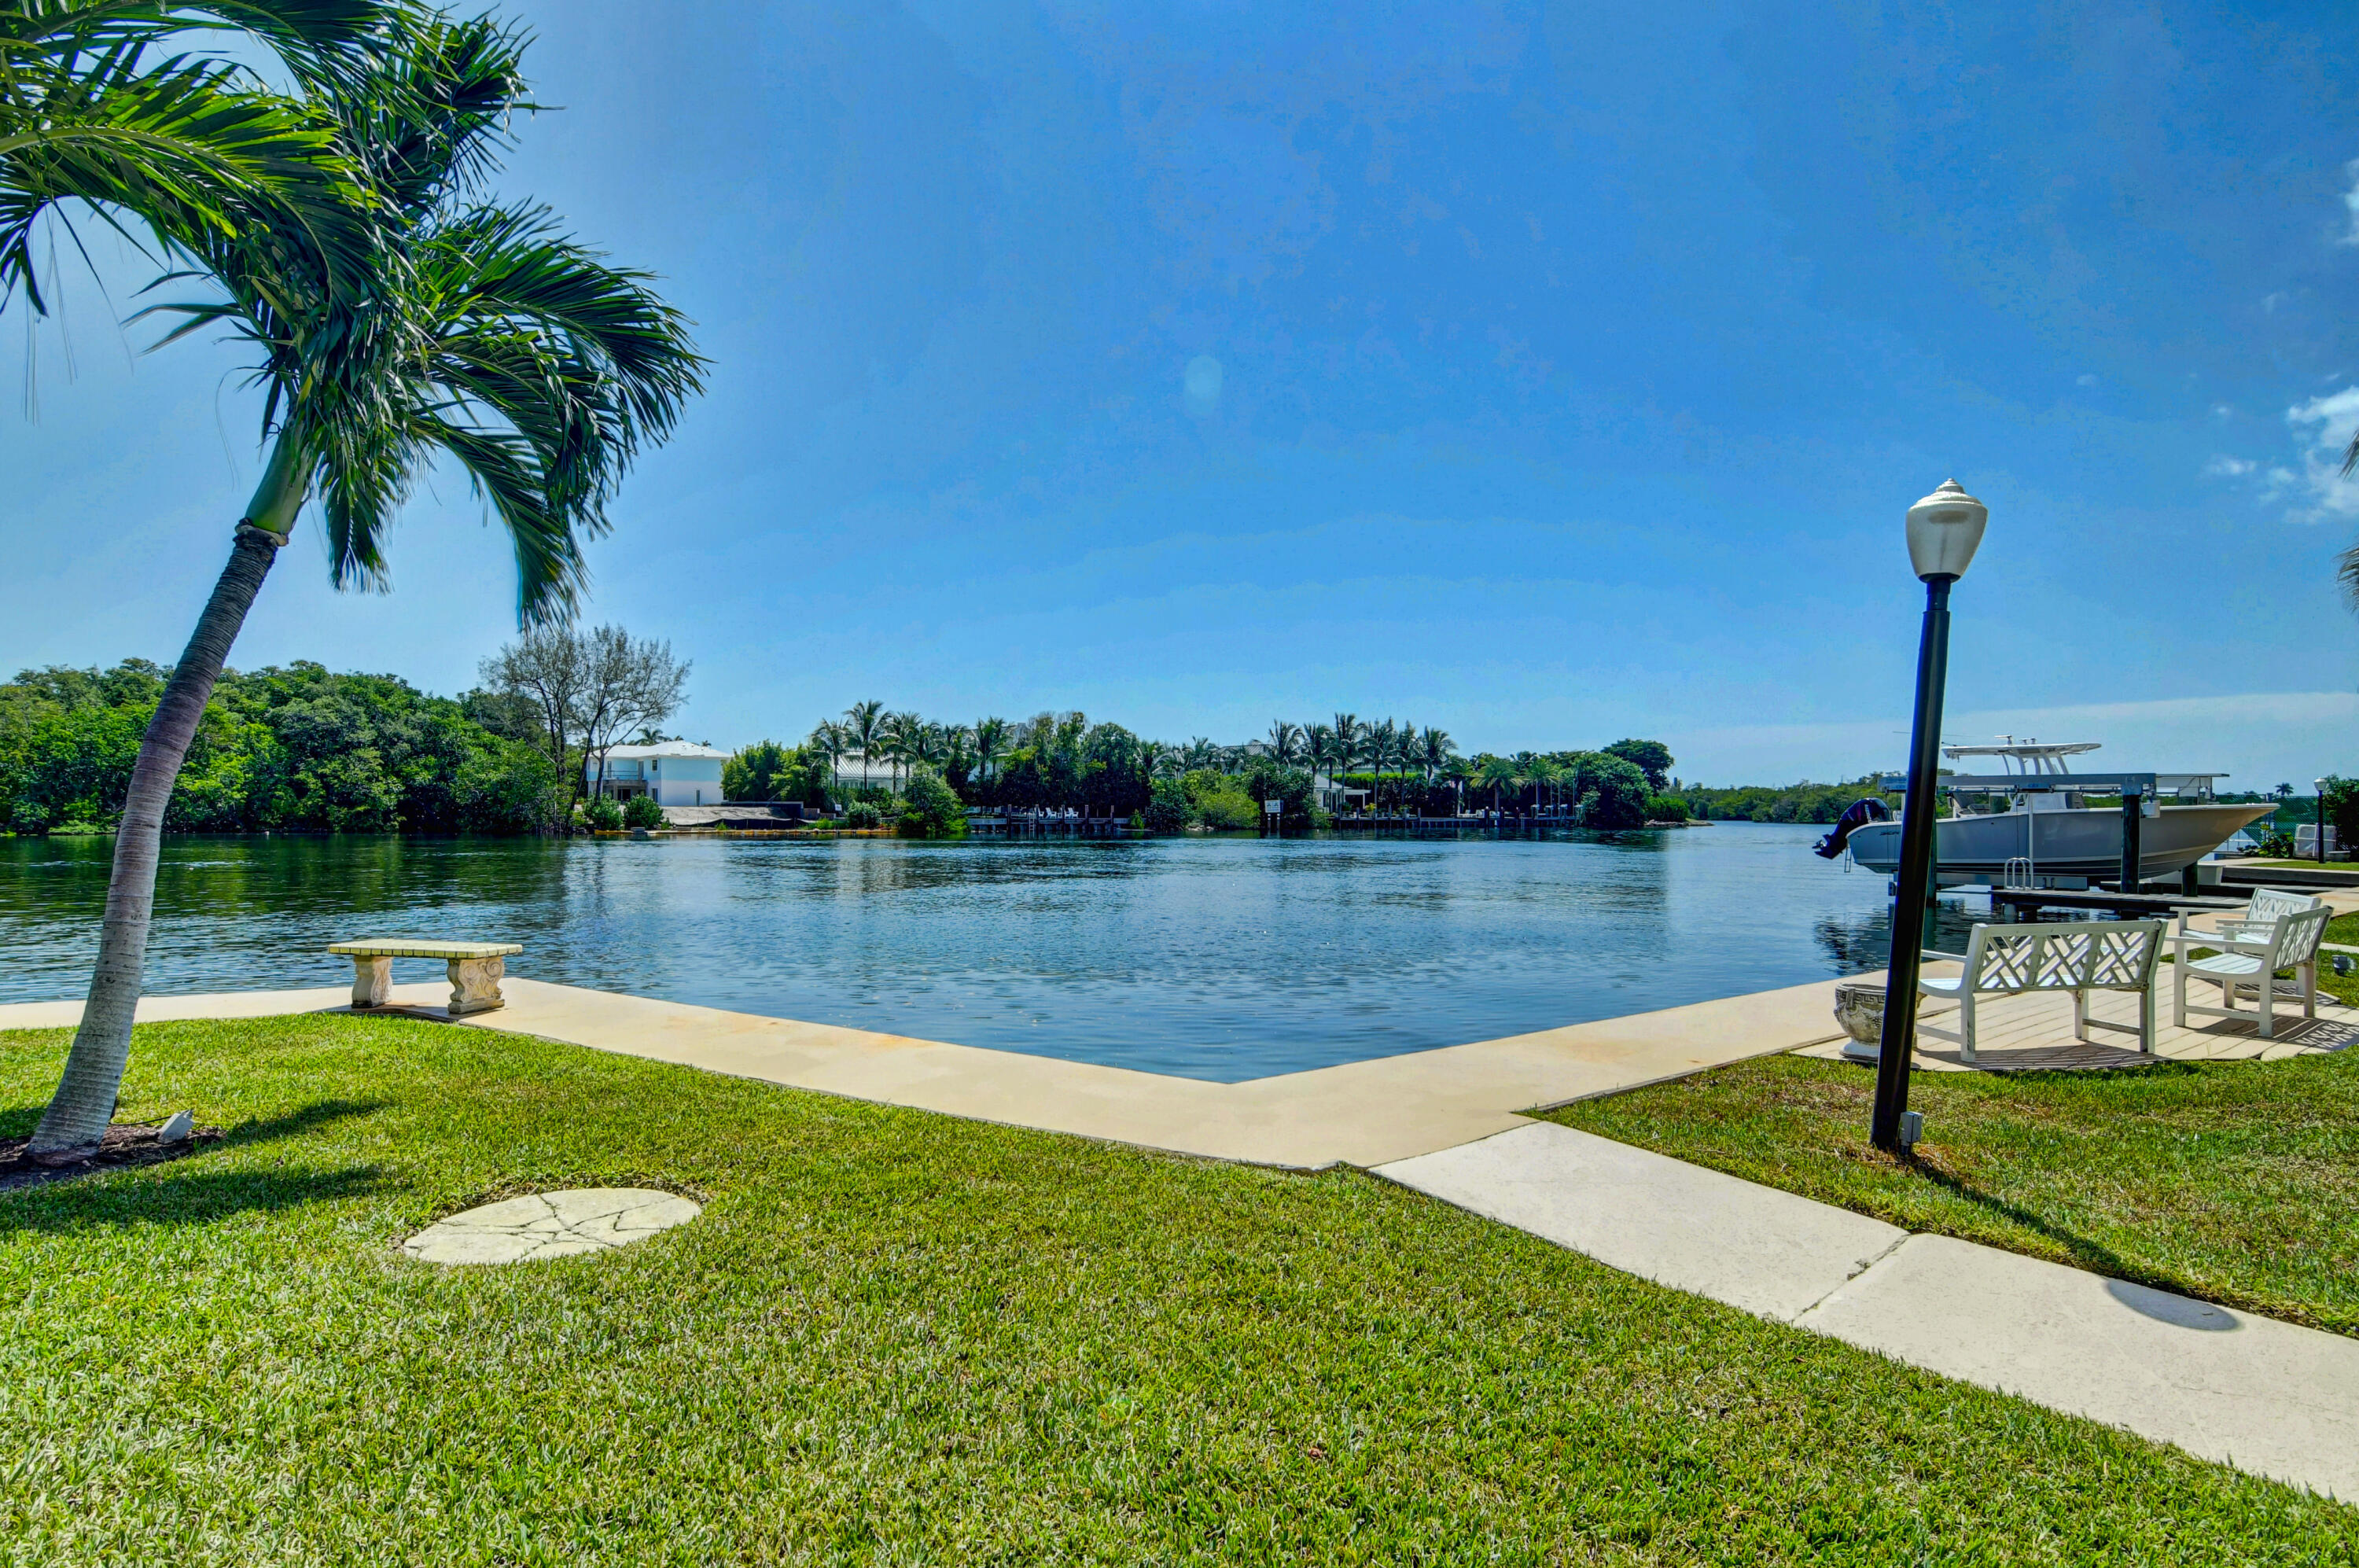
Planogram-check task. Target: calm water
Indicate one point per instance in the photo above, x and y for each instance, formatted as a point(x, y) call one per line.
point(1221, 959)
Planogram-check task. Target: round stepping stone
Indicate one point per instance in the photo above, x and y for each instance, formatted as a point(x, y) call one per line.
point(550, 1224)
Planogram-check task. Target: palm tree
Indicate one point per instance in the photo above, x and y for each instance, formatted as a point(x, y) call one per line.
point(864, 724)
point(185, 145)
point(990, 745)
point(1458, 771)
point(828, 739)
point(1285, 741)
point(1375, 749)
point(1347, 741)
point(1201, 752)
point(1319, 749)
point(902, 736)
point(1347, 738)
point(487, 337)
point(1544, 775)
point(1434, 750)
point(1400, 750)
point(1498, 772)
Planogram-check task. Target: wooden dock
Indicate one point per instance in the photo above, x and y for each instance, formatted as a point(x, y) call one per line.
point(1022, 825)
point(2019, 903)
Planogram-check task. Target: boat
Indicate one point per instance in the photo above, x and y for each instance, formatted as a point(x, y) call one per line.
point(2044, 834)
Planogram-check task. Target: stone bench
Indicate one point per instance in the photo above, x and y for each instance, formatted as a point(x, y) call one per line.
point(475, 968)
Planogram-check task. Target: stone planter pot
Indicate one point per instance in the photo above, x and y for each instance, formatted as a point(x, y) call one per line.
point(1859, 1008)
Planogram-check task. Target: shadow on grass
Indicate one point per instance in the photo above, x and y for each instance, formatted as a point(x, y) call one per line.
point(180, 1193)
point(18, 1121)
point(2080, 1246)
point(295, 1123)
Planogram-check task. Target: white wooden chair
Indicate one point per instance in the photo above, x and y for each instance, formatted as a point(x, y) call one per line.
point(2250, 961)
point(2261, 912)
point(2078, 956)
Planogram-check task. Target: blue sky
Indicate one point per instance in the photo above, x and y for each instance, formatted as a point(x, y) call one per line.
point(1547, 377)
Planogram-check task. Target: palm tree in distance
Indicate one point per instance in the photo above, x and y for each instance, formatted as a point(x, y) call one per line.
point(1457, 770)
point(863, 725)
point(486, 336)
point(1285, 741)
point(1435, 749)
point(1499, 773)
point(902, 736)
point(1404, 758)
point(990, 745)
point(828, 739)
point(1544, 775)
point(1347, 740)
point(1318, 750)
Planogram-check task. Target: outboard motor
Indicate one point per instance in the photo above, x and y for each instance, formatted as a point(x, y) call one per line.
point(1856, 815)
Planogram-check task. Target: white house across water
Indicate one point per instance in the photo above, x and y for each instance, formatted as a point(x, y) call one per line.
point(675, 772)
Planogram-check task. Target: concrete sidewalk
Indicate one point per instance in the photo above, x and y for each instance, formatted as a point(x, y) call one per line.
point(2266, 1396)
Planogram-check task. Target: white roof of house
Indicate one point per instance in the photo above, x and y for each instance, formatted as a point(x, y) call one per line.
point(668, 748)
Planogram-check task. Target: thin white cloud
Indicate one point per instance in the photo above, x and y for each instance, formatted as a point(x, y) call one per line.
point(2221, 411)
point(2088, 381)
point(2325, 426)
point(2350, 202)
point(2226, 467)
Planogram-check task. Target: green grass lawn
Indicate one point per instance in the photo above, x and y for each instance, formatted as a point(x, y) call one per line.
point(899, 1338)
point(2236, 1181)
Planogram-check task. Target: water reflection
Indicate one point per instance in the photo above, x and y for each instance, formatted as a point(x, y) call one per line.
point(1219, 959)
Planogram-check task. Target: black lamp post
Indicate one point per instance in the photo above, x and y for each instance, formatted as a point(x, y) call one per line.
point(1943, 531)
point(2319, 784)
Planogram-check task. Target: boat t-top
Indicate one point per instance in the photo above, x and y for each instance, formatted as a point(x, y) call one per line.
point(2038, 829)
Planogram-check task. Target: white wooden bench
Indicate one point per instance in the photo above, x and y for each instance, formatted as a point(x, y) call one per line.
point(474, 967)
point(2078, 956)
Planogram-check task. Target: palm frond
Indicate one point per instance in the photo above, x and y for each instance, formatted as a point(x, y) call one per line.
point(186, 144)
point(478, 330)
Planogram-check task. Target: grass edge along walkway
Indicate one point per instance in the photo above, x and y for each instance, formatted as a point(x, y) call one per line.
point(2236, 1182)
point(898, 1335)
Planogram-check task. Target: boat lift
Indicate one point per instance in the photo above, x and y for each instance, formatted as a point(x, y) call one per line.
point(2140, 793)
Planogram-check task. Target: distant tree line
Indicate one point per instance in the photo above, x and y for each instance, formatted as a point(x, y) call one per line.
point(294, 748)
point(1804, 803)
point(302, 749)
point(1064, 762)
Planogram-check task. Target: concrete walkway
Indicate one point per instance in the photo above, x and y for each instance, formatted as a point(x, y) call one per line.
point(2263, 1396)
point(1362, 1113)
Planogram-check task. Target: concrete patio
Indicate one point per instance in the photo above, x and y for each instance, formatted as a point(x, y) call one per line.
point(2034, 1034)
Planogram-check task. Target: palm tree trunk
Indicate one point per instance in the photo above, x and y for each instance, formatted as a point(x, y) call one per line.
point(84, 1102)
point(78, 1113)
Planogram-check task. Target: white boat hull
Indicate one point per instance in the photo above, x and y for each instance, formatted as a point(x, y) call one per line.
point(2079, 846)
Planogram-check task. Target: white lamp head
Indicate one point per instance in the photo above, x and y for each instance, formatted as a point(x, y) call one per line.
point(1944, 529)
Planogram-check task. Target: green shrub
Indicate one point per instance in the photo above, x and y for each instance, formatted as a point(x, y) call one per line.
point(1166, 811)
point(641, 812)
point(756, 773)
point(2341, 797)
point(1666, 808)
point(1229, 808)
point(930, 808)
point(1613, 792)
point(599, 814)
point(862, 814)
